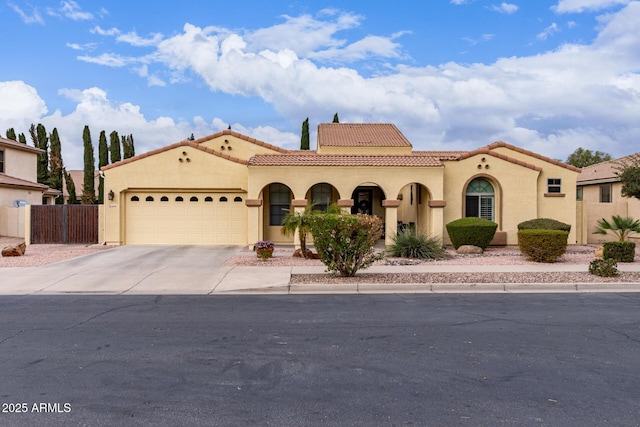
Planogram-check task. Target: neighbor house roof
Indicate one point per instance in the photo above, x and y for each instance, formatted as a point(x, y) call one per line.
point(489, 151)
point(603, 172)
point(4, 142)
point(9, 181)
point(311, 158)
point(360, 135)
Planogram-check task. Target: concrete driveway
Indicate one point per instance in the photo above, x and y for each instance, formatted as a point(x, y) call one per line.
point(126, 269)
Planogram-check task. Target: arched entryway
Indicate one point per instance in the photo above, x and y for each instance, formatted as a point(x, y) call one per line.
point(276, 205)
point(414, 211)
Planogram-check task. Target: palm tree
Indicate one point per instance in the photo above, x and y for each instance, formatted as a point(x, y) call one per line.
point(300, 222)
point(621, 227)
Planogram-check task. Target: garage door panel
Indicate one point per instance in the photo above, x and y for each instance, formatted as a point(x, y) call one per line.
point(205, 220)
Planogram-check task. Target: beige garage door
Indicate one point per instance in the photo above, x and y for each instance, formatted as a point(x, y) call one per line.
point(185, 218)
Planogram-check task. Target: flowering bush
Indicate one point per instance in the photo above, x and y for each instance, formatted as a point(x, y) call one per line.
point(264, 248)
point(345, 242)
point(264, 244)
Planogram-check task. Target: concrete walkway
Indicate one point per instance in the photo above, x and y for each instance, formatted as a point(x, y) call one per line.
point(131, 270)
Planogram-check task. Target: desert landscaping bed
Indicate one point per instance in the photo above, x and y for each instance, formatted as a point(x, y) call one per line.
point(37, 255)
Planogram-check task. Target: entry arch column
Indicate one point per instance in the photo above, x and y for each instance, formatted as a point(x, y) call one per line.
point(390, 220)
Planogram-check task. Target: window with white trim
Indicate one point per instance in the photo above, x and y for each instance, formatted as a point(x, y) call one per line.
point(554, 185)
point(480, 199)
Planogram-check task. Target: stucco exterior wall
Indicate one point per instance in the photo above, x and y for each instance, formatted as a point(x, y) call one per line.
point(20, 164)
point(12, 220)
point(236, 147)
point(198, 170)
point(520, 191)
point(592, 210)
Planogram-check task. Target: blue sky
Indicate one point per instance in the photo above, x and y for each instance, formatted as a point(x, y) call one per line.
point(549, 76)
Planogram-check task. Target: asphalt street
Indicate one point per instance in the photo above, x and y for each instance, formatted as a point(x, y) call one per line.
point(336, 360)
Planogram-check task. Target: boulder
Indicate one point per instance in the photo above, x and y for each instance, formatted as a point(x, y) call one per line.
point(310, 255)
point(469, 249)
point(599, 253)
point(15, 250)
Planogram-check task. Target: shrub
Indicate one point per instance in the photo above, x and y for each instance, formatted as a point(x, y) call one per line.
point(604, 267)
point(544, 224)
point(471, 231)
point(621, 227)
point(345, 242)
point(543, 245)
point(410, 243)
point(619, 251)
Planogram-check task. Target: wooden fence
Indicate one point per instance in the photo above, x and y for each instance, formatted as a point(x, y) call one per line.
point(64, 224)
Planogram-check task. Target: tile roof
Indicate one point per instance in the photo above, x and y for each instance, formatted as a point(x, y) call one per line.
point(18, 145)
point(360, 135)
point(241, 136)
point(311, 158)
point(603, 171)
point(488, 150)
point(193, 144)
point(10, 181)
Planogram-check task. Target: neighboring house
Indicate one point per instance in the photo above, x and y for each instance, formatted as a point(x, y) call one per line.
point(599, 194)
point(18, 182)
point(230, 189)
point(78, 181)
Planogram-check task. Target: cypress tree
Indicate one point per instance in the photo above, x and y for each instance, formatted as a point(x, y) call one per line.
point(56, 166)
point(128, 149)
point(304, 140)
point(335, 118)
point(22, 138)
point(71, 188)
point(41, 141)
point(114, 147)
point(103, 160)
point(11, 134)
point(88, 187)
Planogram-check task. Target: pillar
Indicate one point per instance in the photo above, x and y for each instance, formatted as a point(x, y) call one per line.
point(390, 220)
point(253, 221)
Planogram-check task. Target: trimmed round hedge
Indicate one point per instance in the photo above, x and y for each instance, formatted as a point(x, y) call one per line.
point(543, 245)
point(471, 231)
point(544, 224)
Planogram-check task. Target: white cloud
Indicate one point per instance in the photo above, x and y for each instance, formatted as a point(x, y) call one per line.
point(72, 10)
point(549, 31)
point(108, 59)
point(110, 32)
point(579, 6)
point(507, 8)
point(33, 18)
point(20, 105)
point(86, 46)
point(458, 2)
point(135, 40)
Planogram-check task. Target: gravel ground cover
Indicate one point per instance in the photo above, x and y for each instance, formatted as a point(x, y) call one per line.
point(576, 254)
point(38, 255)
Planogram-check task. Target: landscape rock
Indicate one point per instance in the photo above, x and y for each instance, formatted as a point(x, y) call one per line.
point(310, 255)
point(599, 253)
point(469, 250)
point(15, 250)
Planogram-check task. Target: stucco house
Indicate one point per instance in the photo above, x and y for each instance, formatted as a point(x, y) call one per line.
point(599, 194)
point(18, 182)
point(230, 189)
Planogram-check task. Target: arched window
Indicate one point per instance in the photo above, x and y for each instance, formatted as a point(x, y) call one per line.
point(164, 199)
point(135, 199)
point(179, 199)
point(193, 199)
point(237, 199)
point(321, 196)
point(279, 201)
point(149, 199)
point(208, 199)
point(223, 199)
point(480, 199)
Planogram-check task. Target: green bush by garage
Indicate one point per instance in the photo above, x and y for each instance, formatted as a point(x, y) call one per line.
point(543, 245)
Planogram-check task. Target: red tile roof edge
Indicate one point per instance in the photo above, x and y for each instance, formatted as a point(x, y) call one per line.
point(488, 148)
point(192, 144)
